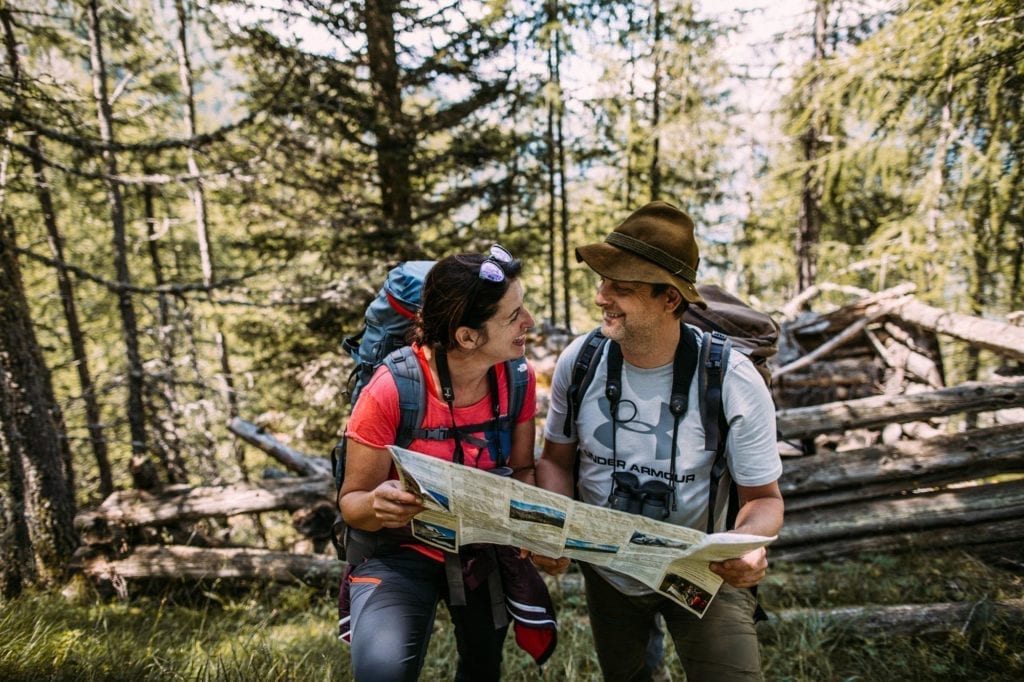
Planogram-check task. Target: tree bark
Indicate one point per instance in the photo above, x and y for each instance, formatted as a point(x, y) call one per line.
point(998, 337)
point(816, 481)
point(38, 502)
point(141, 467)
point(878, 411)
point(390, 127)
point(655, 179)
point(97, 440)
point(908, 619)
point(178, 503)
point(910, 514)
point(809, 233)
point(980, 538)
point(200, 563)
point(294, 460)
point(198, 193)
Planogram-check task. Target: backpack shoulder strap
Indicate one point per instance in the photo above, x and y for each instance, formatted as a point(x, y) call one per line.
point(582, 375)
point(517, 376)
point(405, 368)
point(714, 360)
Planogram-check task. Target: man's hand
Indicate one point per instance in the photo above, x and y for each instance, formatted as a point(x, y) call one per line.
point(546, 564)
point(393, 506)
point(746, 571)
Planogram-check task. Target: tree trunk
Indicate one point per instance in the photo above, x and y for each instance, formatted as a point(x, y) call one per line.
point(553, 84)
point(393, 139)
point(563, 227)
point(658, 48)
point(168, 428)
point(809, 232)
point(141, 467)
point(67, 296)
point(198, 194)
point(38, 502)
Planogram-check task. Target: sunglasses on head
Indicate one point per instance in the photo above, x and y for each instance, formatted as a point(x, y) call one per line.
point(491, 269)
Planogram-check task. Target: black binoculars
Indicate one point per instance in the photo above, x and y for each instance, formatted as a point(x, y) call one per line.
point(650, 499)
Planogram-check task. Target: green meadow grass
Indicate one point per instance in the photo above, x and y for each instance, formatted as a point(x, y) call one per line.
point(288, 633)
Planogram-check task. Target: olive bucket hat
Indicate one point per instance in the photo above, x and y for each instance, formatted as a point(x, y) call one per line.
point(654, 245)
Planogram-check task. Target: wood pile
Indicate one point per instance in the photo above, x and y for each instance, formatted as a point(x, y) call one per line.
point(874, 462)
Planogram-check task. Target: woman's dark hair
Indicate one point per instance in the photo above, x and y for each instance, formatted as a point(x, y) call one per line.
point(454, 295)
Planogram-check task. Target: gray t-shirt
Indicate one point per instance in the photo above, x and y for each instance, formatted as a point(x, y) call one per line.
point(644, 437)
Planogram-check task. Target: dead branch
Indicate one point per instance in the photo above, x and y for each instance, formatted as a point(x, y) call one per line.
point(306, 465)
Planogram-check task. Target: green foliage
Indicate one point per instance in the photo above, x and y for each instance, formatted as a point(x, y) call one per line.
point(918, 149)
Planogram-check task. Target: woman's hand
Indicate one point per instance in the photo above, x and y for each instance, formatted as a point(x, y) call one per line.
point(393, 506)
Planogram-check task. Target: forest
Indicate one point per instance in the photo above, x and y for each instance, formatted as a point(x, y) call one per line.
point(198, 198)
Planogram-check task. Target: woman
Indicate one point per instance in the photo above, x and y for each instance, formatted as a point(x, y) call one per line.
point(471, 322)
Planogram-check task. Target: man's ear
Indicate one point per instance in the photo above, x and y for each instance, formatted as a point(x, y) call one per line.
point(468, 339)
point(673, 298)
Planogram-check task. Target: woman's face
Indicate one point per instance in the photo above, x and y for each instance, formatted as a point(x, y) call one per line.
point(505, 331)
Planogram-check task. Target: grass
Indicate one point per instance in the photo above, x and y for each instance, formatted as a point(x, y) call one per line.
point(288, 633)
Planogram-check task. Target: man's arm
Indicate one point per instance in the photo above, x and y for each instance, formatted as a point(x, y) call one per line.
point(554, 473)
point(555, 467)
point(761, 512)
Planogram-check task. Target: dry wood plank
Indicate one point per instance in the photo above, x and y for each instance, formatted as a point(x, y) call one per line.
point(175, 562)
point(294, 460)
point(877, 411)
point(825, 479)
point(910, 513)
point(908, 619)
point(187, 503)
point(999, 337)
point(845, 336)
point(978, 537)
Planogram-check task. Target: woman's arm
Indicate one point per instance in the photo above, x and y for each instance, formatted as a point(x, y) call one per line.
point(368, 499)
point(521, 457)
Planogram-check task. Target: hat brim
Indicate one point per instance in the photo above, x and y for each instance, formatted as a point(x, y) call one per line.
point(615, 263)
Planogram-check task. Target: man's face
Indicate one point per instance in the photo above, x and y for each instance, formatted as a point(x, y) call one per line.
point(630, 313)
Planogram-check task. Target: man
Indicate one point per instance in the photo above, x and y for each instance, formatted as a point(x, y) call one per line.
point(647, 268)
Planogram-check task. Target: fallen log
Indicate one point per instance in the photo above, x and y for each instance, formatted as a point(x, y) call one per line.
point(305, 465)
point(857, 475)
point(197, 563)
point(187, 503)
point(999, 337)
point(906, 619)
point(910, 513)
point(877, 411)
point(982, 538)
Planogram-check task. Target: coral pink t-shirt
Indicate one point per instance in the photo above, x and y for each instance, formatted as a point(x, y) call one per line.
point(375, 418)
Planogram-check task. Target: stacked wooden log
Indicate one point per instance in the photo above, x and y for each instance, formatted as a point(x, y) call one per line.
point(913, 483)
